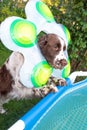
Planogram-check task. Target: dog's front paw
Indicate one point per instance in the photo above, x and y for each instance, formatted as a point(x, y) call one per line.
point(47, 89)
point(57, 82)
point(61, 82)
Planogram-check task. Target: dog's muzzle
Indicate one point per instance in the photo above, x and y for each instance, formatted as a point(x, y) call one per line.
point(60, 64)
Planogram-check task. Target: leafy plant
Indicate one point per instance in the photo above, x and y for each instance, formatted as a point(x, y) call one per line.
point(11, 8)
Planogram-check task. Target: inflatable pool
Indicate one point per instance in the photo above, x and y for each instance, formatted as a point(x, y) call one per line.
point(64, 110)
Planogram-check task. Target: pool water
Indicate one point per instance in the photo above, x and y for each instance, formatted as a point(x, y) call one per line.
point(68, 113)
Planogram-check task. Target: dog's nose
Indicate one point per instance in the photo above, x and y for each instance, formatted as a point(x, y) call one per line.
point(63, 62)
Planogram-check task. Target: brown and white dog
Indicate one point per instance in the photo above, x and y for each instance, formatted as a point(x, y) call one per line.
point(52, 48)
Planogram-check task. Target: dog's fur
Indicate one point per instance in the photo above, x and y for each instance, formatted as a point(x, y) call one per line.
point(52, 48)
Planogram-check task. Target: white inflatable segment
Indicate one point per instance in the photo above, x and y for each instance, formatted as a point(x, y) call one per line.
point(17, 33)
point(35, 70)
point(5, 33)
point(57, 29)
point(39, 13)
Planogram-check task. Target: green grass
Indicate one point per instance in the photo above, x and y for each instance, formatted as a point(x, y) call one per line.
point(4, 53)
point(15, 109)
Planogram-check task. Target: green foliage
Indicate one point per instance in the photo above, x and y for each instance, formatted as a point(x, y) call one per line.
point(11, 8)
point(4, 54)
point(51, 2)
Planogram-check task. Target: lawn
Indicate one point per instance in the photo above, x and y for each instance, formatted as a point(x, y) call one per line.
point(15, 109)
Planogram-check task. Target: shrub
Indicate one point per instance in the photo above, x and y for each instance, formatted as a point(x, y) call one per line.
point(11, 8)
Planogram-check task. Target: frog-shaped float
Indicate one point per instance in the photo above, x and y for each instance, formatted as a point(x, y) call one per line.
point(20, 35)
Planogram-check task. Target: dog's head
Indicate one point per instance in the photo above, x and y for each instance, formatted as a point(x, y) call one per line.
point(52, 48)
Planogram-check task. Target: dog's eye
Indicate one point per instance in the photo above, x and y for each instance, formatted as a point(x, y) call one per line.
point(57, 46)
point(45, 43)
point(64, 48)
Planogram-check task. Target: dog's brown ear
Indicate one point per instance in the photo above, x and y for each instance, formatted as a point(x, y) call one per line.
point(5, 80)
point(43, 41)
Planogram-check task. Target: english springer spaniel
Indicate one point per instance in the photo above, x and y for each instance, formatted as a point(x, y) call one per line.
point(52, 48)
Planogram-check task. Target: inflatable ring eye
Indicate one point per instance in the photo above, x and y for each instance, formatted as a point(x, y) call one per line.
point(44, 11)
point(67, 33)
point(66, 70)
point(41, 73)
point(23, 33)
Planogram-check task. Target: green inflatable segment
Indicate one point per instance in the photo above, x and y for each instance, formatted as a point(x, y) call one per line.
point(67, 33)
point(44, 11)
point(41, 73)
point(66, 70)
point(23, 33)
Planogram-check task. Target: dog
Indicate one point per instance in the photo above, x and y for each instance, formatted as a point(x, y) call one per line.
point(52, 47)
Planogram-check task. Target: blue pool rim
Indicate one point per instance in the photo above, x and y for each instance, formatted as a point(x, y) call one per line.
point(32, 117)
